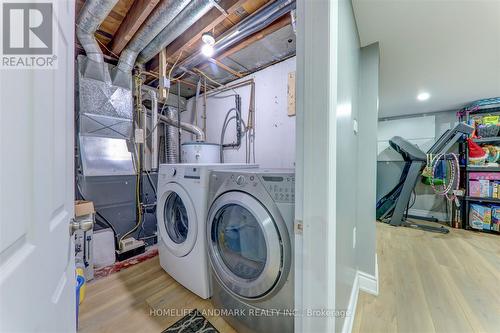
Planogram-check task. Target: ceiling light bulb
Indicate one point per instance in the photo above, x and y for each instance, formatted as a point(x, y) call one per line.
point(207, 50)
point(208, 38)
point(423, 96)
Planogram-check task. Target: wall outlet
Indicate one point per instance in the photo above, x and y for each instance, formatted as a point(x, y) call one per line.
point(354, 237)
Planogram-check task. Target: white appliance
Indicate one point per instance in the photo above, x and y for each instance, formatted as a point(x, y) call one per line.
point(181, 215)
point(250, 246)
point(200, 152)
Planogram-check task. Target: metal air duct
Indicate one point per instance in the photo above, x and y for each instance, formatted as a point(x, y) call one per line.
point(172, 138)
point(163, 14)
point(245, 28)
point(189, 15)
point(198, 132)
point(91, 16)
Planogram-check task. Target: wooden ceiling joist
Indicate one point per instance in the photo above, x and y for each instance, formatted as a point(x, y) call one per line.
point(273, 27)
point(137, 14)
point(225, 67)
point(193, 34)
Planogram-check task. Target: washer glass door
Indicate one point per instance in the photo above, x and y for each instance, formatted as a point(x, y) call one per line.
point(177, 220)
point(244, 245)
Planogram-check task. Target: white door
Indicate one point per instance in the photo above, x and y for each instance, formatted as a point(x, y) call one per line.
point(37, 274)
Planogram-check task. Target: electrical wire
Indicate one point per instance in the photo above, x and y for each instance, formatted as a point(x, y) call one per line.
point(117, 57)
point(207, 77)
point(179, 77)
point(138, 84)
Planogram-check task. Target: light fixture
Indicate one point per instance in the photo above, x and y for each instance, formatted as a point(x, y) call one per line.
point(208, 38)
point(423, 96)
point(207, 50)
point(208, 44)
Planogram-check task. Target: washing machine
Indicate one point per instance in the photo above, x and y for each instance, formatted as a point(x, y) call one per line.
point(250, 246)
point(181, 215)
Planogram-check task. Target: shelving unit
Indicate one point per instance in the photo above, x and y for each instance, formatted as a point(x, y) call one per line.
point(487, 140)
point(467, 200)
point(483, 169)
point(487, 200)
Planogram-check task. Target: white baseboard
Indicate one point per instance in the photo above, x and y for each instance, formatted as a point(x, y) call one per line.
point(351, 307)
point(441, 216)
point(365, 282)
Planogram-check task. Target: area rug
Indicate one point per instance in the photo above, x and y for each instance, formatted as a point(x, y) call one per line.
point(120, 265)
point(194, 322)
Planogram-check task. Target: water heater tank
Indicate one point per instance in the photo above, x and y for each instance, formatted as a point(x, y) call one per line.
point(200, 152)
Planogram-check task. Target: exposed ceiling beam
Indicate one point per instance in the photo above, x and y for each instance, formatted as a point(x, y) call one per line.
point(225, 67)
point(193, 34)
point(273, 27)
point(137, 14)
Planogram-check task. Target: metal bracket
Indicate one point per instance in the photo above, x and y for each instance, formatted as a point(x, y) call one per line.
point(218, 6)
point(298, 227)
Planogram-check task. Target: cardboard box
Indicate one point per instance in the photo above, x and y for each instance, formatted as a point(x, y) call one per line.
point(484, 188)
point(83, 208)
point(474, 188)
point(480, 217)
point(495, 218)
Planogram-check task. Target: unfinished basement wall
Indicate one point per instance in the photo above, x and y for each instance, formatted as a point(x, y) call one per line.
point(274, 129)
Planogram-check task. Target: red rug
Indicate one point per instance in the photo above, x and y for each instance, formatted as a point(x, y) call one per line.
point(118, 266)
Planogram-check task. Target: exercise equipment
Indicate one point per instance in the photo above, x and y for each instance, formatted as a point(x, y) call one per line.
point(393, 207)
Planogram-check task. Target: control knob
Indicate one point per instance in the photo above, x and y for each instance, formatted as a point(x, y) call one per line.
point(240, 180)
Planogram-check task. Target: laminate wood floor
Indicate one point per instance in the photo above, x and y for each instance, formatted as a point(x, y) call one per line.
point(142, 298)
point(428, 283)
point(432, 282)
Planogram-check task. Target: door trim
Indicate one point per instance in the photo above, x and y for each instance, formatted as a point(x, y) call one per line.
point(184, 248)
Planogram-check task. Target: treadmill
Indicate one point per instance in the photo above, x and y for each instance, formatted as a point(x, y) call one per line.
point(393, 207)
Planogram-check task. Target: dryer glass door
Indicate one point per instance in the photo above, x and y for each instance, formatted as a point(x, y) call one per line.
point(245, 246)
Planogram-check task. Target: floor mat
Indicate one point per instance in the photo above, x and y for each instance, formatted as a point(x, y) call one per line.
point(194, 322)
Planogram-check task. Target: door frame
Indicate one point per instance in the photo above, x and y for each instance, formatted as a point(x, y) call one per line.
point(315, 206)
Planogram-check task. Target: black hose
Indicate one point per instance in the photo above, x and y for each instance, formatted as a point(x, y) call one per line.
point(151, 183)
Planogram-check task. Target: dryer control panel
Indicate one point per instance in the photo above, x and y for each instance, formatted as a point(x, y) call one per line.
point(280, 185)
point(281, 188)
